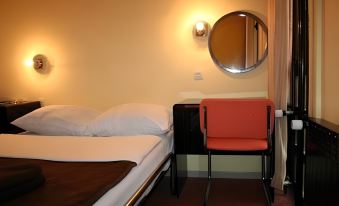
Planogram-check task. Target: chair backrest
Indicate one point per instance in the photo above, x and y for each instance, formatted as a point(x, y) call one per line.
point(237, 118)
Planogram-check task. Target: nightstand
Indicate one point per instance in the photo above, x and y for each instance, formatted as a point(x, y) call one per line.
point(10, 111)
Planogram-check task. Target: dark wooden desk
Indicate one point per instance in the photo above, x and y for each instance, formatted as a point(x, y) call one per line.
point(10, 111)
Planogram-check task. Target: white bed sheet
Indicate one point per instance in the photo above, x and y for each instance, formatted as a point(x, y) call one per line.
point(121, 193)
point(77, 148)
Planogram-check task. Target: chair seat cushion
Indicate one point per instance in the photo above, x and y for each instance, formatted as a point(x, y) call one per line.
point(236, 144)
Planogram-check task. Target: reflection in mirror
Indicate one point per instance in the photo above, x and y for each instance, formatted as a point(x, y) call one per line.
point(238, 42)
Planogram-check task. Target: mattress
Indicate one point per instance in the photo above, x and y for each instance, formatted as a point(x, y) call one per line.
point(148, 159)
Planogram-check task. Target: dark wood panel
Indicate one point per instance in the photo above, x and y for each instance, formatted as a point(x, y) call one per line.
point(188, 138)
point(321, 163)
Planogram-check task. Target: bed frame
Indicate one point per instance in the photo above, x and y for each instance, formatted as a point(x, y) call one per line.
point(155, 176)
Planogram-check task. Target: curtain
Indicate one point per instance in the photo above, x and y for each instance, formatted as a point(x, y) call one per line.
point(279, 58)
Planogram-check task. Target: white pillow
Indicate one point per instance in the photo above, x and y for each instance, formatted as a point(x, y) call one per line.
point(132, 119)
point(58, 120)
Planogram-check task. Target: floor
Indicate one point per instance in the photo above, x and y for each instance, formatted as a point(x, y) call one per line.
point(234, 192)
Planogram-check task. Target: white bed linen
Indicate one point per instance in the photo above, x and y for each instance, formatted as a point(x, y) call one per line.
point(120, 194)
point(75, 148)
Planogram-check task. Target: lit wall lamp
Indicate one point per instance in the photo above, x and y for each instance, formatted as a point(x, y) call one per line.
point(201, 29)
point(39, 62)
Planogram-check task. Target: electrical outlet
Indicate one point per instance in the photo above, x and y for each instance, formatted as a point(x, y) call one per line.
point(197, 76)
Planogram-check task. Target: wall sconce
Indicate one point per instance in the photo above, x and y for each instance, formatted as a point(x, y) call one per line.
point(39, 62)
point(201, 29)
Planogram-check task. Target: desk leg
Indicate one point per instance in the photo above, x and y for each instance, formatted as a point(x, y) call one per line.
point(178, 173)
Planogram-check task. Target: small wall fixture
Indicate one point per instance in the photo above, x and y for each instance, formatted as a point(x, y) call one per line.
point(39, 62)
point(201, 29)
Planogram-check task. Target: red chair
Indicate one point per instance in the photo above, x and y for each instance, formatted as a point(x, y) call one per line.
point(238, 126)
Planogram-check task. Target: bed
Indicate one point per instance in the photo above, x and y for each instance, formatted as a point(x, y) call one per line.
point(143, 157)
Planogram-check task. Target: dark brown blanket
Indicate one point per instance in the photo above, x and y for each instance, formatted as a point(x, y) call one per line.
point(16, 180)
point(13, 175)
point(71, 183)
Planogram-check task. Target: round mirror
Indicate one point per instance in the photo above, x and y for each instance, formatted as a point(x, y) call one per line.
point(238, 42)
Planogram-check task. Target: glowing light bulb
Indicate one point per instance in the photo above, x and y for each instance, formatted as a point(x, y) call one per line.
point(200, 26)
point(201, 29)
point(29, 63)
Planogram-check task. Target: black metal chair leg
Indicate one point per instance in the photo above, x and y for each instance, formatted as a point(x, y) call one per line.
point(207, 193)
point(270, 175)
point(267, 188)
point(209, 179)
point(267, 193)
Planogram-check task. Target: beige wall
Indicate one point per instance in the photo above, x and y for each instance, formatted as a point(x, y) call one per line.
point(330, 86)
point(107, 52)
point(324, 46)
